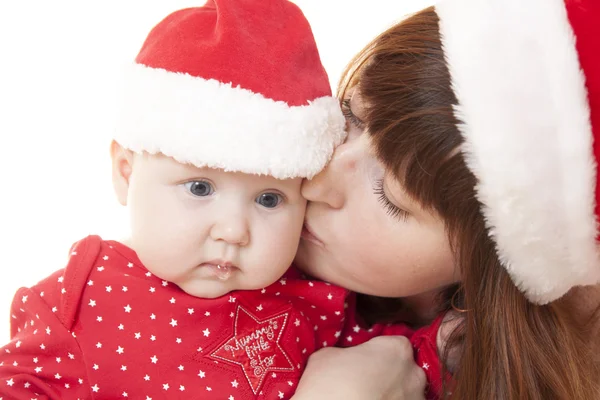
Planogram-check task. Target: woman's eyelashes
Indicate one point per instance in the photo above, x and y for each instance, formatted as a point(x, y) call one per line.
point(390, 208)
point(349, 115)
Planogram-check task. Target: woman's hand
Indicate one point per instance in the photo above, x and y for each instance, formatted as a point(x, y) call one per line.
point(380, 369)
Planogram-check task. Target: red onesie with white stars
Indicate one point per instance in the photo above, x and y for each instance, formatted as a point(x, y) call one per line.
point(106, 328)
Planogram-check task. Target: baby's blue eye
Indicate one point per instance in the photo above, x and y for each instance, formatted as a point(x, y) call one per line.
point(269, 200)
point(199, 188)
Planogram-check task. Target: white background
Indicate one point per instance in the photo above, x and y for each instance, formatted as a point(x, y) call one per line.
point(60, 62)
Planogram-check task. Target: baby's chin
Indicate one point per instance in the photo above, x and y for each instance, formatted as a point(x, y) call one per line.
point(205, 290)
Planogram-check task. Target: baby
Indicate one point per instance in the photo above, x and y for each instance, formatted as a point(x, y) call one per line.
point(226, 109)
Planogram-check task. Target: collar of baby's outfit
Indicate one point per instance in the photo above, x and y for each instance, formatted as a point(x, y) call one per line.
point(126, 252)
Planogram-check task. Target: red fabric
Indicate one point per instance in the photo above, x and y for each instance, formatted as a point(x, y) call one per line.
point(243, 42)
point(105, 328)
point(584, 16)
point(423, 340)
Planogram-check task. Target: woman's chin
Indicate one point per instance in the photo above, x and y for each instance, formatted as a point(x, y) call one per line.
point(305, 260)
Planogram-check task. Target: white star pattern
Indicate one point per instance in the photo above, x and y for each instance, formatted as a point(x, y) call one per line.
point(158, 314)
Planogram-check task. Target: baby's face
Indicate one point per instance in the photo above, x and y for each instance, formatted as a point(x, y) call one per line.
point(210, 231)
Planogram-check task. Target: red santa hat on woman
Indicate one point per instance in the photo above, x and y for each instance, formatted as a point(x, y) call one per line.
point(527, 78)
point(236, 85)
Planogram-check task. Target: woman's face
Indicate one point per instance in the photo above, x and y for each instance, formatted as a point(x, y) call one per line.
point(363, 232)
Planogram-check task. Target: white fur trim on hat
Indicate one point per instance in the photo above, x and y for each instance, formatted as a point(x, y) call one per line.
point(212, 124)
point(526, 123)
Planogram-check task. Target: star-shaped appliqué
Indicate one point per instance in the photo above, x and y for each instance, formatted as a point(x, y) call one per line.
point(255, 346)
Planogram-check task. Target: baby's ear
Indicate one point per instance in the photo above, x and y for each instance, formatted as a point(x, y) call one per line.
point(122, 162)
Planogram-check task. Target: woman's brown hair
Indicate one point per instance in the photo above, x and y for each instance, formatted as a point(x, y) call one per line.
point(509, 347)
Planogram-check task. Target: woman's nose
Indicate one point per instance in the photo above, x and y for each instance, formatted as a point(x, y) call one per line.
point(330, 185)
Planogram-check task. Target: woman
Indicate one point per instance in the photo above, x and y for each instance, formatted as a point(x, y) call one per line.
point(472, 124)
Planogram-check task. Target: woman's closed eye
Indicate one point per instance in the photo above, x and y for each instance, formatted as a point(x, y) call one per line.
point(349, 115)
point(390, 208)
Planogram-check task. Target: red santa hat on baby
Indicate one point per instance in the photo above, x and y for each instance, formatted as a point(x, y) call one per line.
point(527, 78)
point(235, 84)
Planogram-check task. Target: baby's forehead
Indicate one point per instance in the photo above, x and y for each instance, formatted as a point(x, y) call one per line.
point(229, 177)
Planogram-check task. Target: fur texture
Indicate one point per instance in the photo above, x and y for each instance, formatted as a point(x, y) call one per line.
point(211, 124)
point(526, 123)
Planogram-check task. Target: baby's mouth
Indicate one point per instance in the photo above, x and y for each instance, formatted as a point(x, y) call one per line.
point(221, 269)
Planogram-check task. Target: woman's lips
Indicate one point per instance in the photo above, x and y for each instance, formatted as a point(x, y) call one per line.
point(307, 234)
